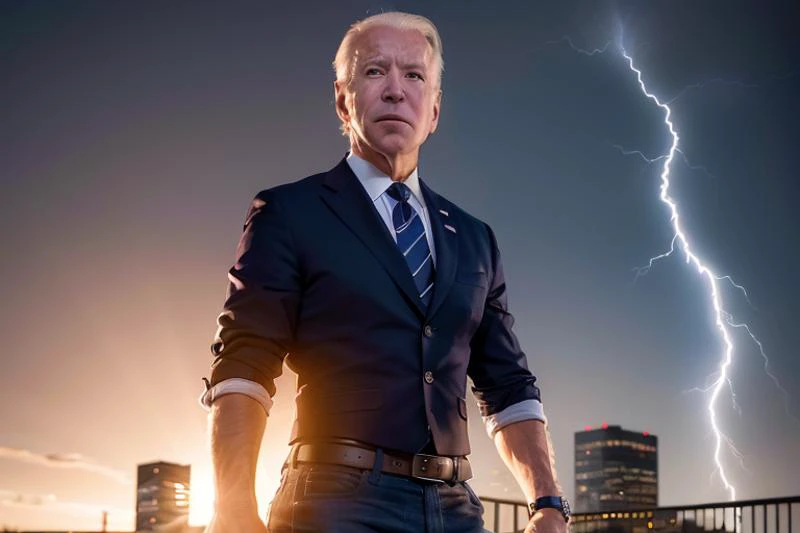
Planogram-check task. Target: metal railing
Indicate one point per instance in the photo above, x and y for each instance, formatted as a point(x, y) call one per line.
point(498, 511)
point(774, 515)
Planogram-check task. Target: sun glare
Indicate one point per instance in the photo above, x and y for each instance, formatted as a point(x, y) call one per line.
point(201, 505)
point(202, 495)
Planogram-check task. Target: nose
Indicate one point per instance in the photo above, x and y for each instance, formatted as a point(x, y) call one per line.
point(393, 88)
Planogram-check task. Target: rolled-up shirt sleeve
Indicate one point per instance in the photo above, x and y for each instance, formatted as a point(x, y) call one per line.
point(256, 327)
point(524, 410)
point(498, 366)
point(236, 386)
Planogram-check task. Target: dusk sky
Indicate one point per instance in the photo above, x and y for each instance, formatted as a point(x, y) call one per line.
point(135, 134)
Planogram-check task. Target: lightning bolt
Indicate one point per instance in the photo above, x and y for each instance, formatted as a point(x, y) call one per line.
point(767, 370)
point(712, 279)
point(567, 39)
point(651, 160)
point(722, 318)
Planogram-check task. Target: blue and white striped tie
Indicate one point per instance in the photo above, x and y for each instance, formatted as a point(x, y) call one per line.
point(411, 241)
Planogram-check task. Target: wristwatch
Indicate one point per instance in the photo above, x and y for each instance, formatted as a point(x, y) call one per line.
point(554, 502)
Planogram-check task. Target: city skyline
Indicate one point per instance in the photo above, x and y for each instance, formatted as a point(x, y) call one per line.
point(137, 135)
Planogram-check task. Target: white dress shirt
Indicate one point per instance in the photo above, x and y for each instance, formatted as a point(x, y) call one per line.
point(376, 183)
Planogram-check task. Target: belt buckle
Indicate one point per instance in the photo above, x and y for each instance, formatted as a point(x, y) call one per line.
point(424, 466)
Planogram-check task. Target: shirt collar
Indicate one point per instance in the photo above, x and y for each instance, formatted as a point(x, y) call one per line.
point(376, 182)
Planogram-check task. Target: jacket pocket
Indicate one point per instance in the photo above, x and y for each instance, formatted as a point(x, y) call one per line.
point(462, 408)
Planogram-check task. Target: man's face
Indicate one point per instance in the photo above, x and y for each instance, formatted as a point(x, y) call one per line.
point(392, 102)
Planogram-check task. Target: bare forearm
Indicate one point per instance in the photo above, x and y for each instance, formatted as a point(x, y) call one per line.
point(237, 427)
point(526, 449)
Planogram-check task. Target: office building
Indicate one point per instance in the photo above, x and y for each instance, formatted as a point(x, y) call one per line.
point(162, 496)
point(615, 470)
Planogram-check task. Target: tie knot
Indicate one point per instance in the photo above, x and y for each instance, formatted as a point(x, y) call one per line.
point(399, 191)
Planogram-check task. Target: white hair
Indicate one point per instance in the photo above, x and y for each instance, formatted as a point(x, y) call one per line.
point(343, 62)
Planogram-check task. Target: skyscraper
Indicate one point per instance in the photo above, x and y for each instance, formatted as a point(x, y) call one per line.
point(615, 469)
point(162, 496)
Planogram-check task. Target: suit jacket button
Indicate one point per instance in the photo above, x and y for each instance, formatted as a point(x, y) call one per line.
point(428, 377)
point(428, 330)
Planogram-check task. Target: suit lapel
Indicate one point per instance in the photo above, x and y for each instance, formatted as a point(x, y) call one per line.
point(445, 239)
point(345, 196)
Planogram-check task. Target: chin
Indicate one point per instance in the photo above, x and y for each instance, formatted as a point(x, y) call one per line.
point(391, 145)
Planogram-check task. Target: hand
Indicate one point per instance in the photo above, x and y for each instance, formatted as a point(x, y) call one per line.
point(233, 522)
point(547, 521)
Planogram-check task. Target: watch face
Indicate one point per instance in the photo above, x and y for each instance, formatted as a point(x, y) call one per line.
point(565, 508)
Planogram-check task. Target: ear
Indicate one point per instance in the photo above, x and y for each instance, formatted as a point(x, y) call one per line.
point(437, 104)
point(340, 95)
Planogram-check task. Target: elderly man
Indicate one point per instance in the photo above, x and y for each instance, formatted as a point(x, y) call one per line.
point(383, 297)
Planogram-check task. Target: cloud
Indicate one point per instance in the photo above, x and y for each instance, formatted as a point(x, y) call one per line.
point(41, 505)
point(50, 502)
point(17, 499)
point(64, 460)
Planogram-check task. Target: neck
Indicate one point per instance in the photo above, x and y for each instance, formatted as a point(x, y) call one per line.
point(397, 166)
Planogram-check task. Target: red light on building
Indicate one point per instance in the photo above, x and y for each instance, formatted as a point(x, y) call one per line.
point(587, 428)
point(646, 433)
point(604, 425)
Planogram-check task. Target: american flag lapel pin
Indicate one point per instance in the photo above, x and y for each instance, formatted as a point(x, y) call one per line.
point(451, 228)
point(445, 213)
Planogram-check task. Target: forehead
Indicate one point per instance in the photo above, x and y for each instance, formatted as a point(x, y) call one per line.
point(387, 42)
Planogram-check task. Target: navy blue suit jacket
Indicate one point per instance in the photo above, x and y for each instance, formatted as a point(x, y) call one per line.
point(320, 283)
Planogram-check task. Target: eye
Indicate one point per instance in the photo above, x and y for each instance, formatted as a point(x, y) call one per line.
point(415, 75)
point(373, 71)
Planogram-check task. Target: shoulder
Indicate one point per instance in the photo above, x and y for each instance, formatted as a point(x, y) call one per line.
point(299, 194)
point(293, 191)
point(280, 201)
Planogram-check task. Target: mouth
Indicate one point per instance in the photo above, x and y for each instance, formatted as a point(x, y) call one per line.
point(392, 118)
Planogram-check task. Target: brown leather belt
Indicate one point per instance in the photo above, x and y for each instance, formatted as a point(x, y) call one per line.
point(419, 466)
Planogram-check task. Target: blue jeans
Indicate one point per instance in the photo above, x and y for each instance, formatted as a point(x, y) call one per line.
point(321, 498)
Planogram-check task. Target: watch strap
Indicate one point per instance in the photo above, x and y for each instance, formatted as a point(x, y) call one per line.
point(550, 502)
